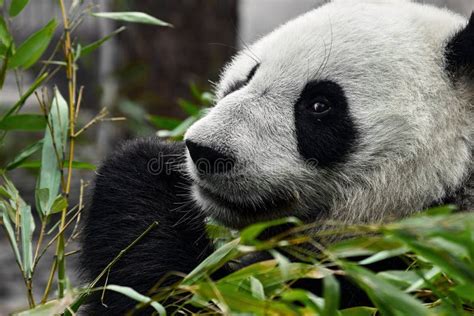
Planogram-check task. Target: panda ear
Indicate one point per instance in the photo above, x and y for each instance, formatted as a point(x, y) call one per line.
point(459, 54)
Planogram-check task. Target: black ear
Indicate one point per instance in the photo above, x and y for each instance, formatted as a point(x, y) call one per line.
point(460, 51)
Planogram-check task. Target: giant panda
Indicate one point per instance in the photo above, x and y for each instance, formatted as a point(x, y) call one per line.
point(358, 111)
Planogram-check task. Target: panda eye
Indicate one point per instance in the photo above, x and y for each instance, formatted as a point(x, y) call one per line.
point(321, 108)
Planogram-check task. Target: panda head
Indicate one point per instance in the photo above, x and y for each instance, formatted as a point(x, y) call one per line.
point(356, 111)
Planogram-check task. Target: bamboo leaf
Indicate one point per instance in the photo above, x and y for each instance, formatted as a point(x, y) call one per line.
point(256, 288)
point(308, 299)
point(23, 122)
point(188, 107)
point(33, 47)
point(215, 260)
point(6, 60)
point(36, 164)
point(27, 229)
point(163, 122)
point(331, 296)
point(5, 36)
point(54, 146)
point(388, 299)
point(179, 130)
point(359, 311)
point(131, 293)
point(59, 204)
point(11, 234)
point(134, 17)
point(16, 7)
point(270, 275)
point(445, 259)
point(86, 50)
point(24, 154)
point(250, 234)
point(53, 307)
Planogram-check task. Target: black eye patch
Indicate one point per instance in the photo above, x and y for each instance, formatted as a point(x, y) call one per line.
point(326, 139)
point(241, 83)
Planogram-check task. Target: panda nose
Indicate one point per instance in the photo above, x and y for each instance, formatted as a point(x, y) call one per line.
point(208, 160)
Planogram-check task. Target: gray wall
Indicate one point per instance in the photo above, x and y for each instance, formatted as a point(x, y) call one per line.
point(258, 17)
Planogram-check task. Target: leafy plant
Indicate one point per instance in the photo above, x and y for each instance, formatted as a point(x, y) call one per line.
point(57, 119)
point(173, 128)
point(439, 245)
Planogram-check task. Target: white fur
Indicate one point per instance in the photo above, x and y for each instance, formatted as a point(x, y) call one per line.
point(416, 133)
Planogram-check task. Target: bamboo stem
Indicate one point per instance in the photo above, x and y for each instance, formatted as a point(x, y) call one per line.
point(71, 78)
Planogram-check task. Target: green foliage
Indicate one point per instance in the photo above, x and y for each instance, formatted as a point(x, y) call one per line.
point(23, 122)
point(174, 129)
point(54, 147)
point(52, 158)
point(435, 284)
point(33, 47)
point(17, 6)
point(86, 50)
point(134, 17)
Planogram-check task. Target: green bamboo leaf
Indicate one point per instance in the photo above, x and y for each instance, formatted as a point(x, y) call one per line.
point(465, 291)
point(195, 91)
point(308, 299)
point(24, 154)
point(331, 296)
point(443, 258)
point(249, 235)
point(5, 36)
point(6, 60)
point(131, 293)
point(53, 307)
point(33, 47)
point(230, 300)
point(23, 122)
point(422, 278)
point(11, 234)
point(384, 254)
point(207, 98)
point(86, 50)
point(27, 229)
point(359, 311)
point(59, 204)
point(283, 262)
point(79, 165)
point(213, 262)
point(54, 146)
point(163, 122)
point(16, 7)
point(179, 130)
point(188, 107)
point(386, 297)
point(134, 17)
point(256, 287)
point(271, 277)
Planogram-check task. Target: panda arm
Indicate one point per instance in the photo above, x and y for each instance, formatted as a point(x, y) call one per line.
point(129, 195)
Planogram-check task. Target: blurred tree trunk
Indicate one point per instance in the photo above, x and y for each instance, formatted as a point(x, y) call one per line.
point(167, 60)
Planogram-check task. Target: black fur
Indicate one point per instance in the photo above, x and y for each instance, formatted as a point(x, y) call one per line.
point(131, 192)
point(460, 51)
point(328, 139)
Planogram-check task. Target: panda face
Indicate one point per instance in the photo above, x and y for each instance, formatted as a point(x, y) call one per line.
point(347, 112)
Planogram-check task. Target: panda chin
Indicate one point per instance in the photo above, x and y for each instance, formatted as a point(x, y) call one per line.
point(242, 213)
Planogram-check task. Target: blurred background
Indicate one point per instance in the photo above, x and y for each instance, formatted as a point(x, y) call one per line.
point(143, 73)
